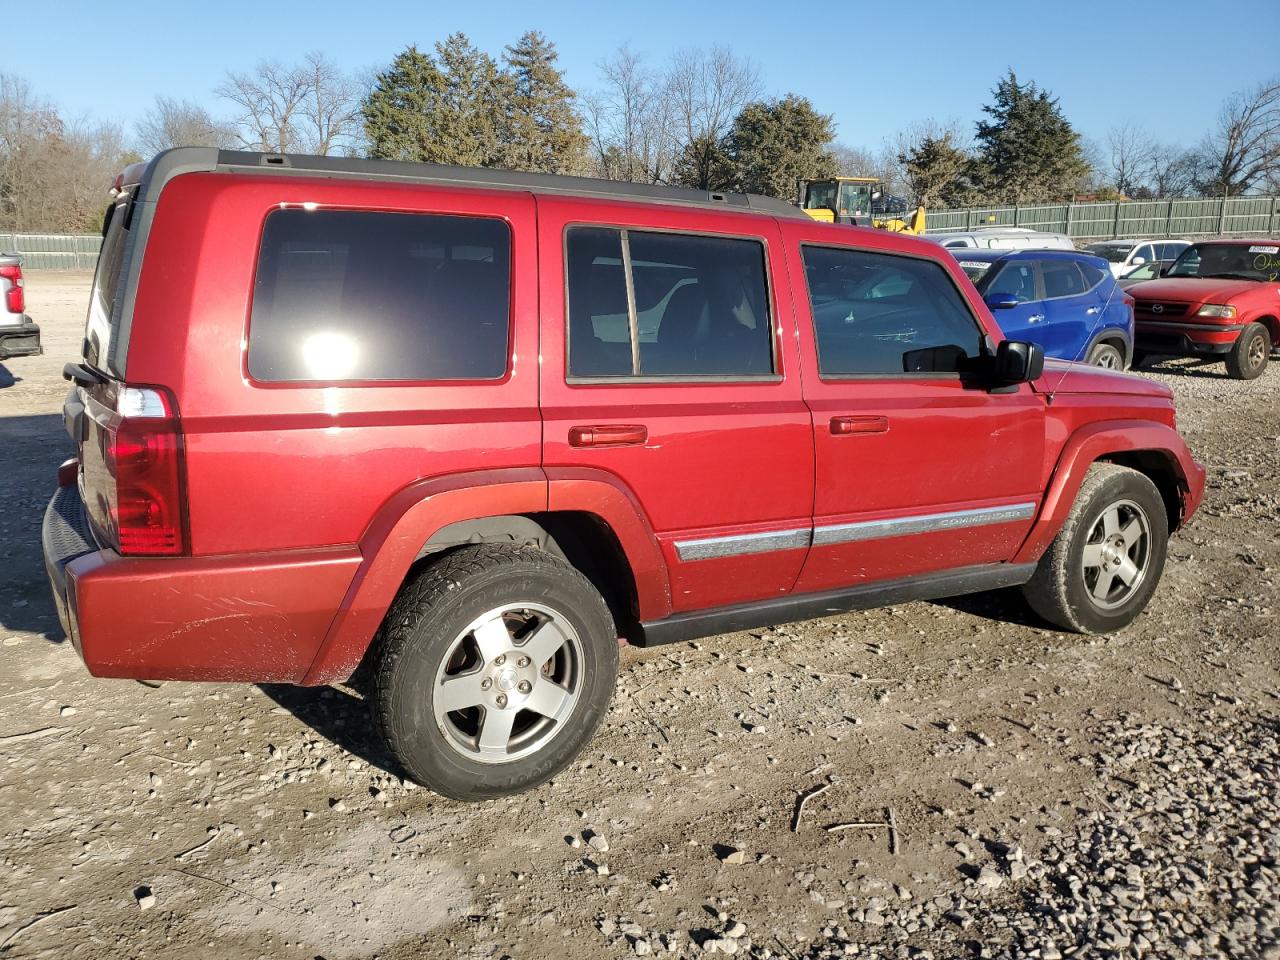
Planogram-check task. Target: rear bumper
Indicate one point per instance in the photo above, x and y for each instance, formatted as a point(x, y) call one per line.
point(22, 340)
point(251, 618)
point(1186, 339)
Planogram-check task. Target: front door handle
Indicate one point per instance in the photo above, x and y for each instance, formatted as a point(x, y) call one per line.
point(846, 426)
point(1035, 318)
point(609, 435)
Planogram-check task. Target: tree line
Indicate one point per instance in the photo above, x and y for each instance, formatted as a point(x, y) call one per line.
point(701, 118)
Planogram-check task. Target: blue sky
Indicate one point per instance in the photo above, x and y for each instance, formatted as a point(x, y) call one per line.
point(876, 67)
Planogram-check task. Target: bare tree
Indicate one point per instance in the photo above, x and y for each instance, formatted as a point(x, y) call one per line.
point(707, 90)
point(1243, 151)
point(629, 121)
point(1173, 171)
point(330, 113)
point(1129, 153)
point(310, 107)
point(180, 123)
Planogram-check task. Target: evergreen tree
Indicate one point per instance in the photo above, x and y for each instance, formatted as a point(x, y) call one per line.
point(705, 164)
point(1028, 152)
point(542, 130)
point(775, 145)
point(471, 106)
point(937, 171)
point(401, 112)
point(442, 109)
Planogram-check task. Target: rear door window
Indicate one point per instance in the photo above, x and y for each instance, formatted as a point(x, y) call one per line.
point(355, 295)
point(1062, 278)
point(884, 314)
point(652, 304)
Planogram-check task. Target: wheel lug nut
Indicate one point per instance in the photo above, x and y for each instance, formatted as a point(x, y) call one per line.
point(502, 699)
point(486, 683)
point(522, 662)
point(525, 686)
point(502, 658)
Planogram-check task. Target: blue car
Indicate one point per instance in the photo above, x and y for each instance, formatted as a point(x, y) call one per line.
point(1066, 302)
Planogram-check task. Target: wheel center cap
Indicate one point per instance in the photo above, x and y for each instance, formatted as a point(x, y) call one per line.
point(507, 680)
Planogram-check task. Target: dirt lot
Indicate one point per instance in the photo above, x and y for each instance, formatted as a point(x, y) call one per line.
point(1053, 795)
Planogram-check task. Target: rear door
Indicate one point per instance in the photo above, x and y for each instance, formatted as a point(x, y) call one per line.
point(669, 371)
point(1071, 310)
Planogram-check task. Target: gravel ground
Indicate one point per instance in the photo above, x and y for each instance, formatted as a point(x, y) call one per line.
point(1051, 795)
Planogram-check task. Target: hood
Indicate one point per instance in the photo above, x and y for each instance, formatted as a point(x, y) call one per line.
point(1192, 289)
point(1061, 376)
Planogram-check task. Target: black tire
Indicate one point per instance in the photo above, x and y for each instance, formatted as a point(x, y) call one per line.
point(1107, 356)
point(423, 625)
point(1059, 590)
point(1249, 354)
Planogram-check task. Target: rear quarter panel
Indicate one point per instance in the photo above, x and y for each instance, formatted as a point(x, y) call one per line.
point(276, 466)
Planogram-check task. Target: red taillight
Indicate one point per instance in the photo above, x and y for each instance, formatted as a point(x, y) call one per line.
point(15, 298)
point(145, 455)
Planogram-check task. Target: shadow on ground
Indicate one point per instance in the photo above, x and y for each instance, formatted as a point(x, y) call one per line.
point(339, 716)
point(31, 447)
point(1004, 606)
point(7, 379)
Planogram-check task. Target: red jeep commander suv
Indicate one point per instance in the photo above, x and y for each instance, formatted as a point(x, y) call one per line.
point(464, 429)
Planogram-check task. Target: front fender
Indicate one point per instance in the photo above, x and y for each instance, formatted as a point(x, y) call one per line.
point(1095, 442)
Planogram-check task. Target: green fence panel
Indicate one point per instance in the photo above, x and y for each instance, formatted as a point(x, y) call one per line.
point(1105, 220)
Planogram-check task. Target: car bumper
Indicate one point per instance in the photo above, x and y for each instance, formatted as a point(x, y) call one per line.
point(22, 340)
point(255, 618)
point(1186, 339)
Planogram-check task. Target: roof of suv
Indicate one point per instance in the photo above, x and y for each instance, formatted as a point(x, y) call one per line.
point(1022, 253)
point(171, 163)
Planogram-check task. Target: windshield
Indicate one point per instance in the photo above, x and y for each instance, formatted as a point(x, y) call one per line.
point(1110, 251)
point(821, 196)
point(855, 199)
point(1253, 261)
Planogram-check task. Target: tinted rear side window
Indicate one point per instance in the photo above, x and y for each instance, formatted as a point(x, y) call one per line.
point(696, 306)
point(876, 313)
point(352, 295)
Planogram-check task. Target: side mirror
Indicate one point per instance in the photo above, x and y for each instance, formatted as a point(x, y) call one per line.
point(1017, 361)
point(1138, 261)
point(1002, 301)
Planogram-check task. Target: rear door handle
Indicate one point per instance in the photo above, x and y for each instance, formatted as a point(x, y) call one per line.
point(845, 426)
point(608, 435)
point(1092, 310)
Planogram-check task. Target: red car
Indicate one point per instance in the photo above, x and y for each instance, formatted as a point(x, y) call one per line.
point(463, 429)
point(1220, 299)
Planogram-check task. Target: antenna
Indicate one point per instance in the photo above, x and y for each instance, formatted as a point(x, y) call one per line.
point(1115, 285)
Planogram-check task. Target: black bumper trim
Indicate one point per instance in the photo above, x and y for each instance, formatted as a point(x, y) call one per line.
point(1183, 346)
point(65, 535)
point(20, 341)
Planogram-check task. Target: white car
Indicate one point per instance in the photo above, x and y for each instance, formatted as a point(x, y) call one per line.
point(19, 337)
point(1003, 238)
point(1124, 255)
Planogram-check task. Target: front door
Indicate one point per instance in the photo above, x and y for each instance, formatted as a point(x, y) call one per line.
point(919, 470)
point(669, 366)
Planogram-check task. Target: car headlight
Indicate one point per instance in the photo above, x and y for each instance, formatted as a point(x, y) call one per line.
point(1216, 310)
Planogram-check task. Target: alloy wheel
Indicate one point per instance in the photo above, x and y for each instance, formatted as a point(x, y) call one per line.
point(1116, 554)
point(508, 683)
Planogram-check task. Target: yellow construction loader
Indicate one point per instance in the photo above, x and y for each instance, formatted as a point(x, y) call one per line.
point(849, 200)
